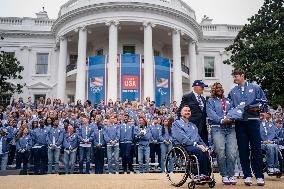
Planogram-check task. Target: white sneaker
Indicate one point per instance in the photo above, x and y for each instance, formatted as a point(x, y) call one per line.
point(276, 170)
point(131, 172)
point(248, 181)
point(260, 182)
point(117, 173)
point(232, 180)
point(125, 173)
point(271, 170)
point(226, 180)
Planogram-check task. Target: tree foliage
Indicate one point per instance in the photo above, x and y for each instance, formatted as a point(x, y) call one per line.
point(258, 49)
point(10, 69)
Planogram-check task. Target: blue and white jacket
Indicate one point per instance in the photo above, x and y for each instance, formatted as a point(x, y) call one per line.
point(24, 143)
point(55, 136)
point(126, 133)
point(111, 133)
point(248, 96)
point(186, 133)
point(268, 131)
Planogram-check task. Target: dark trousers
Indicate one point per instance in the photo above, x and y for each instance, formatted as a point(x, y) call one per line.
point(99, 160)
point(249, 144)
point(40, 160)
point(11, 156)
point(24, 157)
point(155, 149)
point(202, 157)
point(126, 157)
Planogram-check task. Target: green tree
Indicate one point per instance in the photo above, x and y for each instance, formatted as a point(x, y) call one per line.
point(10, 69)
point(258, 49)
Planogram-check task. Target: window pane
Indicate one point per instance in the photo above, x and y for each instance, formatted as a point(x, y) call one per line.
point(42, 63)
point(128, 49)
point(209, 66)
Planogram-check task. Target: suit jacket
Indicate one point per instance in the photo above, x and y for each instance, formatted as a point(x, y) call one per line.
point(198, 116)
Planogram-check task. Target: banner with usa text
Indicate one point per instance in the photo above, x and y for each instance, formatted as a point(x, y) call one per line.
point(97, 79)
point(162, 81)
point(130, 77)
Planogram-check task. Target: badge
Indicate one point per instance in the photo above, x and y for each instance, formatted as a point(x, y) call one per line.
point(251, 90)
point(240, 111)
point(242, 103)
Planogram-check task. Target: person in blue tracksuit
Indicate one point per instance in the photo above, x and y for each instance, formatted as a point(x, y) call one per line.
point(40, 148)
point(223, 133)
point(155, 143)
point(86, 137)
point(143, 137)
point(99, 147)
point(23, 146)
point(248, 128)
point(111, 136)
point(126, 140)
point(54, 142)
point(5, 138)
point(12, 128)
point(70, 144)
point(186, 134)
point(269, 138)
point(166, 140)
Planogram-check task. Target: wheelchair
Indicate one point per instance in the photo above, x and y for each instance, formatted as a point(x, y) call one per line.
point(281, 164)
point(186, 166)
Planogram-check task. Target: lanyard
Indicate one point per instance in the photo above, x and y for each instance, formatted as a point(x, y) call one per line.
point(224, 107)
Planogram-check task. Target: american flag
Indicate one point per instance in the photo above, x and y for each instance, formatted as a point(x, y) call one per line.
point(162, 83)
point(96, 82)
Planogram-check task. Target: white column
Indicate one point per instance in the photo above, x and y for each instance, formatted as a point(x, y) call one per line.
point(81, 65)
point(148, 61)
point(61, 81)
point(177, 72)
point(192, 62)
point(112, 61)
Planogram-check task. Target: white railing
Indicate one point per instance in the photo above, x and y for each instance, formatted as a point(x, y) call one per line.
point(11, 21)
point(175, 4)
point(43, 22)
point(226, 28)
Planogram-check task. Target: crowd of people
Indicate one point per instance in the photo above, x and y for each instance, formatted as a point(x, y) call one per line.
point(45, 134)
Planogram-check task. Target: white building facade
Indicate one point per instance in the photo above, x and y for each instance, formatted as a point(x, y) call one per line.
point(54, 52)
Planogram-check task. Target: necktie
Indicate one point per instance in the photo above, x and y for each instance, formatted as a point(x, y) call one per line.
point(201, 105)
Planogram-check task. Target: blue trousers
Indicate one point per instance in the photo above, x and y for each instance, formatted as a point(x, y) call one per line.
point(249, 144)
point(225, 142)
point(202, 157)
point(271, 151)
point(84, 152)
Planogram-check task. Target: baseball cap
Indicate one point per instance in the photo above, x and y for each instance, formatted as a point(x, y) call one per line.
point(199, 83)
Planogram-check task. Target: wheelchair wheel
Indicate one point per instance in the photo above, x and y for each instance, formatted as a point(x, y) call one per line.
point(191, 185)
point(177, 157)
point(212, 184)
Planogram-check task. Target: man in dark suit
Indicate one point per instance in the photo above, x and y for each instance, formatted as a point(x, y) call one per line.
point(197, 104)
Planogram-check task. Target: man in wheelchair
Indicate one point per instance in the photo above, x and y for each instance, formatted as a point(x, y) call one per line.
point(269, 140)
point(186, 134)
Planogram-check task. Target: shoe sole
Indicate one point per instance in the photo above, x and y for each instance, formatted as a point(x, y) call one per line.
point(260, 184)
point(248, 183)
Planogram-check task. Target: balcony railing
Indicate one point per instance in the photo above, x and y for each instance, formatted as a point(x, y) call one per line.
point(73, 66)
point(175, 4)
point(185, 69)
